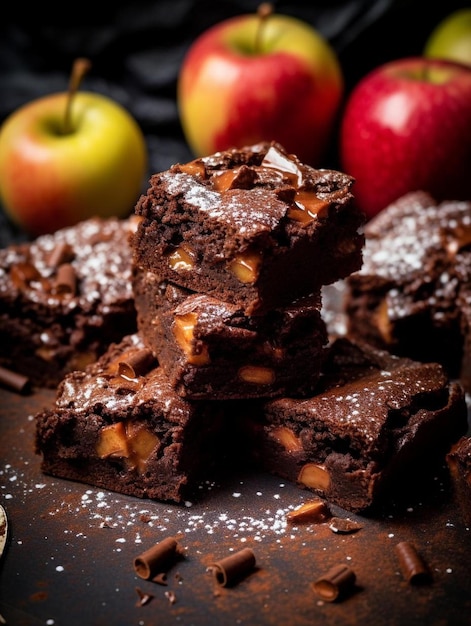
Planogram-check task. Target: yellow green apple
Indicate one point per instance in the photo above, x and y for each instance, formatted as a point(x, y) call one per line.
point(451, 38)
point(63, 161)
point(256, 77)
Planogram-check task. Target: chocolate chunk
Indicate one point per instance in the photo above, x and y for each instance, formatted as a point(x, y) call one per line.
point(62, 253)
point(315, 511)
point(144, 598)
point(343, 525)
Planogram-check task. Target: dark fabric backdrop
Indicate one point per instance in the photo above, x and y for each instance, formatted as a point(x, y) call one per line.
point(137, 47)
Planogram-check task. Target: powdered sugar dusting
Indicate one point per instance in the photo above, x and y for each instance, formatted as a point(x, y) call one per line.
point(249, 522)
point(240, 515)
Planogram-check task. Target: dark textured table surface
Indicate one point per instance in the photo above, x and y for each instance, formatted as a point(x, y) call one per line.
point(70, 550)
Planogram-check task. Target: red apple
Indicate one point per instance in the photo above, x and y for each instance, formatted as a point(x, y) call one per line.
point(64, 159)
point(407, 126)
point(260, 77)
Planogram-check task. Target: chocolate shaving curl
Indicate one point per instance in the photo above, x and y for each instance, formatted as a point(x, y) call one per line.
point(155, 561)
point(13, 380)
point(335, 583)
point(137, 364)
point(229, 570)
point(413, 567)
point(66, 280)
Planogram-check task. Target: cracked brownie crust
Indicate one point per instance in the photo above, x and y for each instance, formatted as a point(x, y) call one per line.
point(253, 227)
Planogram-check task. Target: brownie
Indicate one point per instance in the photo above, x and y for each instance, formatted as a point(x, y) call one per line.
point(412, 294)
point(65, 297)
point(251, 226)
point(376, 423)
point(459, 464)
point(210, 349)
point(119, 425)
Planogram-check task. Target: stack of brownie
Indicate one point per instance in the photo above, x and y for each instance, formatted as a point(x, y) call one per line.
point(228, 263)
point(229, 259)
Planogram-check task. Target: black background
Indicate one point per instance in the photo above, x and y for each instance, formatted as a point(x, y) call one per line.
point(136, 49)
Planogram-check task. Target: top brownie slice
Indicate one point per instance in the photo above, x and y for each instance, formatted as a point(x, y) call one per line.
point(251, 226)
point(65, 297)
point(412, 293)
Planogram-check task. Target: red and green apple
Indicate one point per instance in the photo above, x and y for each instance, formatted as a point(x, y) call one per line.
point(258, 77)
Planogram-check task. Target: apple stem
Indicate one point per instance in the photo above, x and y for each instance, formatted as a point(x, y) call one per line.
point(263, 12)
point(80, 67)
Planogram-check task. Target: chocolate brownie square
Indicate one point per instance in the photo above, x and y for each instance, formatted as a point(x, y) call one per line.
point(412, 294)
point(65, 297)
point(251, 226)
point(375, 422)
point(211, 350)
point(119, 425)
point(459, 464)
